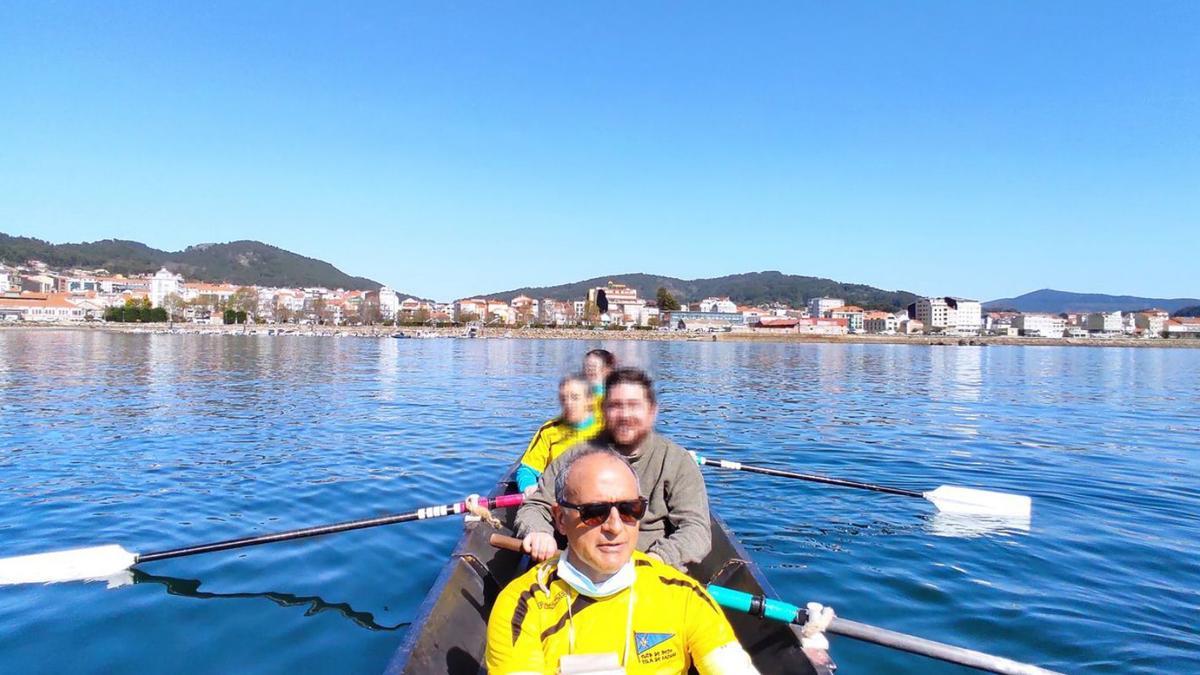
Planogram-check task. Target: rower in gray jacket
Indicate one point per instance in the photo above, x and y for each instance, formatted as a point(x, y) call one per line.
point(676, 528)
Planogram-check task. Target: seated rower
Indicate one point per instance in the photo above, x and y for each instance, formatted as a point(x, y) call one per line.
point(676, 528)
point(598, 364)
point(603, 607)
point(576, 423)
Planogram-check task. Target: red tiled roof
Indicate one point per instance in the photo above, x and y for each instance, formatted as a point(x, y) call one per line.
point(777, 322)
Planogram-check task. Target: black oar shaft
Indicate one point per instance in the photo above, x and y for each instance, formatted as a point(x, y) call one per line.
point(815, 478)
point(286, 536)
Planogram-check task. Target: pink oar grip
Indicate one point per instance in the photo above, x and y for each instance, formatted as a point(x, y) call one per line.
point(505, 501)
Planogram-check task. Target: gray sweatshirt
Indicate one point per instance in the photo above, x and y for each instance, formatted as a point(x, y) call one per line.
point(676, 526)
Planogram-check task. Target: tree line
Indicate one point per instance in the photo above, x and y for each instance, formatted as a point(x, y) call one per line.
point(136, 311)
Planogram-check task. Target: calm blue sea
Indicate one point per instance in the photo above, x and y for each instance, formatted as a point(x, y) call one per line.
point(157, 441)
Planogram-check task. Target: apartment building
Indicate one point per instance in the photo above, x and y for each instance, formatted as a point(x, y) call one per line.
point(1109, 323)
point(1039, 325)
point(948, 314)
point(820, 307)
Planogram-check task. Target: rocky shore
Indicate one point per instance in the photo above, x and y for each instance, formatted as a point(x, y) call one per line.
point(757, 335)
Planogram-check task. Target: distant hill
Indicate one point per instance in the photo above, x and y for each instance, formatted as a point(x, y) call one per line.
point(752, 288)
point(239, 262)
point(1055, 302)
point(1194, 310)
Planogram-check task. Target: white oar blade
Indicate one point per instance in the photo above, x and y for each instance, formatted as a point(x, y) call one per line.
point(971, 525)
point(77, 564)
point(951, 499)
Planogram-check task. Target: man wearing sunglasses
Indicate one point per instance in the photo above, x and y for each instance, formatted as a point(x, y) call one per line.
point(603, 607)
point(676, 527)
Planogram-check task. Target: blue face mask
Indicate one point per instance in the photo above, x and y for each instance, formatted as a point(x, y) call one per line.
point(618, 582)
point(598, 389)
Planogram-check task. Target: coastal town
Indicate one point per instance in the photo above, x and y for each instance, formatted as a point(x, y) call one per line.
point(33, 293)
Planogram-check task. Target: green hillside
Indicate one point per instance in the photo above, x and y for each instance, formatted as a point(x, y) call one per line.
point(752, 288)
point(239, 262)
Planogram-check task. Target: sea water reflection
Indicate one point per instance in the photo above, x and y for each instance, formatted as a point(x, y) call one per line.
point(156, 441)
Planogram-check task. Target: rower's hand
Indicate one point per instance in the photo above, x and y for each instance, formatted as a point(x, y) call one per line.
point(540, 546)
point(530, 490)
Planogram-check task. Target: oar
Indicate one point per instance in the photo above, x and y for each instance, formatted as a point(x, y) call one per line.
point(103, 562)
point(778, 610)
point(947, 498)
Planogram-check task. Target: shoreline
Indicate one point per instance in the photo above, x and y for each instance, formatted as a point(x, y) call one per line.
point(761, 335)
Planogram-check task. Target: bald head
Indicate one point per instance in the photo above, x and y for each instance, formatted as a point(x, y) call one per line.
point(594, 469)
point(597, 478)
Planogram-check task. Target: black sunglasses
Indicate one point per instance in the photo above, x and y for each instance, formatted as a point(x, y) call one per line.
point(594, 513)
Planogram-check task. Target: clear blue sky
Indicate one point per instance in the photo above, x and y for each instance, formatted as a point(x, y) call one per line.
point(975, 149)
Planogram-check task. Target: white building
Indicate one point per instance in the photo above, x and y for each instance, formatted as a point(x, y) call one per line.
point(723, 305)
point(470, 309)
point(948, 314)
point(852, 314)
point(647, 316)
point(38, 283)
point(1183, 327)
point(614, 293)
point(820, 307)
point(1152, 323)
point(40, 307)
point(389, 303)
point(499, 312)
point(10, 280)
point(628, 313)
point(164, 283)
point(1104, 322)
point(880, 322)
point(1040, 325)
point(525, 308)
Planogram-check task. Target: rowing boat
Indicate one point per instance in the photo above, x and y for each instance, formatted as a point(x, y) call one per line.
point(450, 630)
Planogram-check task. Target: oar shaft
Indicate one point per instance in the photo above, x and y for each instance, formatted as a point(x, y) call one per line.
point(758, 605)
point(934, 650)
point(419, 514)
point(278, 536)
point(815, 478)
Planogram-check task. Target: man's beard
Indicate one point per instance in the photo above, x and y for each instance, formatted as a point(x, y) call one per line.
point(627, 448)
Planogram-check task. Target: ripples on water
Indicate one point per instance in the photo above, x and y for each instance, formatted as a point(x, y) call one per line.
point(156, 441)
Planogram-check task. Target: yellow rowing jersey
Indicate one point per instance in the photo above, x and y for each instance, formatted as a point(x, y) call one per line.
point(671, 625)
point(598, 408)
point(550, 441)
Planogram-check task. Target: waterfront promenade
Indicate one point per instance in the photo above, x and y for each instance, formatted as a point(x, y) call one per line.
point(752, 335)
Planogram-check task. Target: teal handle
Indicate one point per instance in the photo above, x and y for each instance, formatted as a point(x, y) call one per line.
point(741, 601)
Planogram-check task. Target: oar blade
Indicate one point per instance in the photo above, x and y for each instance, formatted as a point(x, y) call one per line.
point(953, 499)
point(77, 564)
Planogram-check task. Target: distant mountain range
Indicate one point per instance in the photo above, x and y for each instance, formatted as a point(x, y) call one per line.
point(752, 288)
point(239, 262)
point(1056, 302)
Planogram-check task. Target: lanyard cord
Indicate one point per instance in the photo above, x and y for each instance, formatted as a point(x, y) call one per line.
point(628, 628)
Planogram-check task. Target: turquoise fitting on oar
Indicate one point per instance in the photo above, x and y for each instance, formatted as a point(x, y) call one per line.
point(757, 605)
point(778, 610)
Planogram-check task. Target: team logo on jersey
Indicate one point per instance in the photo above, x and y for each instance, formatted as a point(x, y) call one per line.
point(647, 641)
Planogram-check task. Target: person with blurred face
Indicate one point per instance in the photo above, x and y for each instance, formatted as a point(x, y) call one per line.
point(575, 423)
point(676, 527)
point(598, 364)
point(603, 607)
